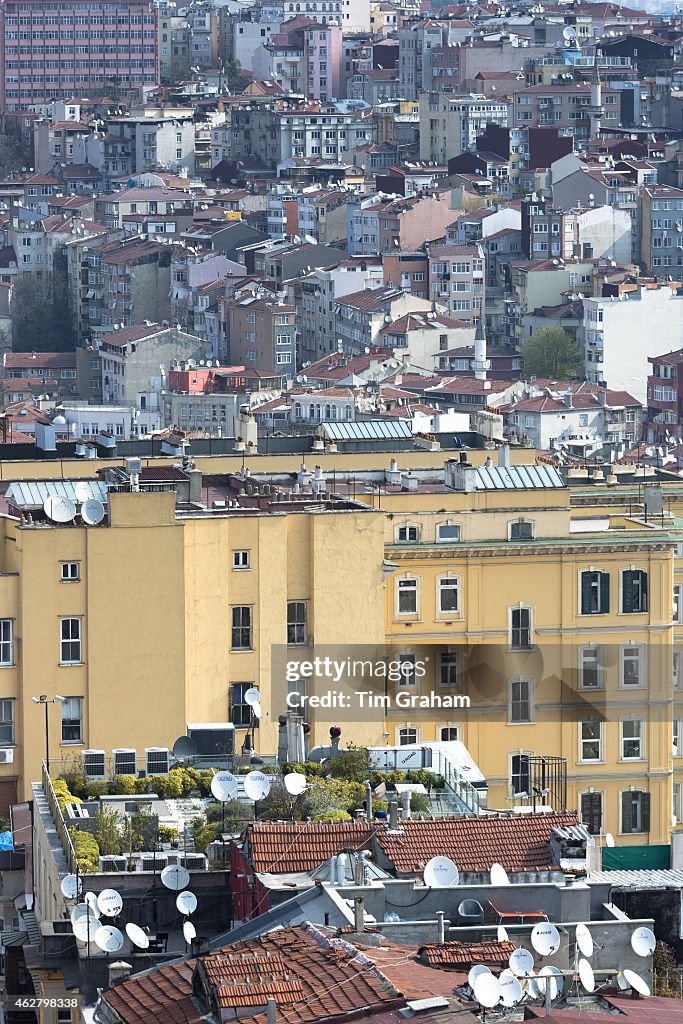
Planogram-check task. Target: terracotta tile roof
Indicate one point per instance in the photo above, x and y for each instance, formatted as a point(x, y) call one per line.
point(140, 1000)
point(464, 954)
point(31, 360)
point(134, 333)
point(371, 299)
point(302, 845)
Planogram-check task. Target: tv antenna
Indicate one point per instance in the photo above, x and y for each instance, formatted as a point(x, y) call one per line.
point(186, 902)
point(643, 941)
point(71, 886)
point(82, 490)
point(586, 976)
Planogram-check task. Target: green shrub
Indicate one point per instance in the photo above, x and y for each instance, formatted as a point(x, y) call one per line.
point(205, 777)
point(206, 835)
point(123, 785)
point(76, 782)
point(167, 834)
point(109, 832)
point(419, 803)
point(97, 788)
point(87, 851)
point(352, 764)
point(235, 814)
point(380, 805)
point(333, 816)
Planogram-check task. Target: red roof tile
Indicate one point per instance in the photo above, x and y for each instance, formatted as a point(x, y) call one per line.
point(464, 954)
point(276, 846)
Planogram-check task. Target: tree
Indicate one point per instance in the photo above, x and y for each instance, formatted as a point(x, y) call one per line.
point(232, 72)
point(41, 313)
point(108, 832)
point(352, 764)
point(551, 352)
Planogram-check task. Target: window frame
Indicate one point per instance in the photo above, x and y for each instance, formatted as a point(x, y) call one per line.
point(644, 811)
point(401, 729)
point(414, 587)
point(72, 741)
point(236, 629)
point(639, 739)
point(642, 587)
point(603, 591)
point(68, 578)
point(237, 552)
point(241, 724)
point(521, 521)
point(592, 794)
point(528, 700)
point(583, 740)
point(407, 680)
point(454, 667)
point(450, 728)
point(70, 640)
point(449, 582)
point(599, 666)
point(7, 642)
point(512, 756)
point(640, 648)
point(518, 608)
point(407, 526)
point(10, 702)
point(296, 625)
point(449, 524)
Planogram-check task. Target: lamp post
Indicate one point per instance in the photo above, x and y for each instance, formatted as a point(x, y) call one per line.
point(45, 700)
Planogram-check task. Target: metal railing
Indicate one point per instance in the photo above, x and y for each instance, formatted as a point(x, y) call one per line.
point(472, 798)
point(57, 817)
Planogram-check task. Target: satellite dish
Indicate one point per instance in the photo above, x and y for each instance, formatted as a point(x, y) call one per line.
point(622, 983)
point(643, 942)
point(545, 938)
point(59, 509)
point(530, 986)
point(184, 747)
point(440, 872)
point(137, 936)
point(502, 934)
point(175, 877)
point(584, 940)
point(510, 989)
point(71, 886)
point(487, 990)
point(295, 783)
point(189, 932)
point(92, 512)
point(252, 696)
point(186, 902)
point(86, 928)
point(81, 910)
point(109, 939)
point(637, 983)
point(256, 709)
point(256, 785)
point(82, 490)
point(586, 976)
point(609, 839)
point(224, 786)
point(110, 903)
point(91, 899)
point(499, 875)
point(569, 33)
point(475, 972)
point(521, 962)
point(552, 977)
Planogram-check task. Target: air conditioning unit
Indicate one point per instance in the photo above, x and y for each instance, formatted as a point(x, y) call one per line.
point(157, 760)
point(152, 862)
point(93, 764)
point(194, 861)
point(124, 761)
point(113, 863)
point(7, 755)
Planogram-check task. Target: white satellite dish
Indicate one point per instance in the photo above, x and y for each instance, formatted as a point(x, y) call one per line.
point(86, 928)
point(609, 839)
point(530, 986)
point(71, 886)
point(502, 933)
point(252, 696)
point(440, 872)
point(256, 785)
point(545, 938)
point(295, 783)
point(521, 962)
point(186, 902)
point(584, 940)
point(622, 983)
point(510, 989)
point(137, 936)
point(256, 709)
point(586, 976)
point(59, 509)
point(175, 877)
point(637, 983)
point(475, 972)
point(92, 512)
point(224, 786)
point(643, 942)
point(110, 903)
point(552, 977)
point(79, 911)
point(82, 490)
point(189, 932)
point(569, 33)
point(499, 875)
point(108, 938)
point(91, 899)
point(487, 990)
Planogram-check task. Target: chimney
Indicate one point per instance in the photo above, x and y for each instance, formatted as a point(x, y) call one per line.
point(481, 364)
point(271, 1011)
point(504, 456)
point(405, 804)
point(368, 801)
point(358, 915)
point(393, 814)
point(441, 926)
point(119, 971)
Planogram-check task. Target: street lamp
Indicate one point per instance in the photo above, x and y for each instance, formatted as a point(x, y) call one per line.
point(44, 699)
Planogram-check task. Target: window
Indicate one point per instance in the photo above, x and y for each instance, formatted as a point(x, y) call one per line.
point(448, 669)
point(6, 645)
point(241, 628)
point(6, 723)
point(591, 812)
point(676, 669)
point(407, 669)
point(633, 590)
point(676, 738)
point(520, 701)
point(406, 736)
point(523, 529)
point(447, 532)
point(407, 597)
point(407, 534)
point(240, 711)
point(678, 605)
point(448, 588)
point(519, 774)
point(296, 622)
point(590, 740)
point(72, 720)
point(520, 628)
point(70, 652)
point(449, 733)
point(594, 592)
point(632, 739)
point(240, 559)
point(632, 666)
point(69, 572)
point(635, 811)
point(677, 801)
point(591, 665)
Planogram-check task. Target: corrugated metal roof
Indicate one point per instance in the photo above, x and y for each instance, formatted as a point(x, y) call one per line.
point(576, 833)
point(31, 494)
point(509, 478)
point(364, 430)
point(644, 878)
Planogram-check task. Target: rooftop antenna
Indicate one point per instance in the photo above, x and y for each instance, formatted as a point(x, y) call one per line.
point(586, 976)
point(584, 940)
point(545, 938)
point(643, 942)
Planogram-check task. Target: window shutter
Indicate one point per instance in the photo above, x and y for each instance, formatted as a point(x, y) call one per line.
point(591, 812)
point(645, 805)
point(586, 592)
point(643, 583)
point(626, 816)
point(604, 592)
point(627, 590)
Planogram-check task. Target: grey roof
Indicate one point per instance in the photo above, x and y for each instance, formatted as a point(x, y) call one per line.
point(645, 878)
point(363, 430)
point(32, 494)
point(517, 478)
point(576, 833)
